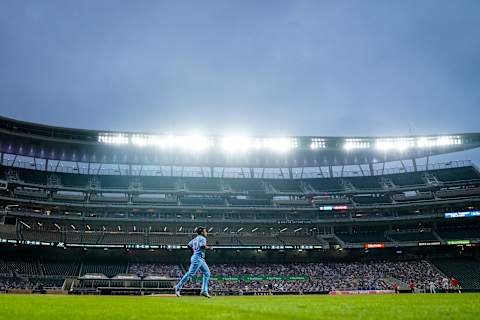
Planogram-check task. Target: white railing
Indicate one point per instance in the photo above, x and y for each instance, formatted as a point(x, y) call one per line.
point(219, 172)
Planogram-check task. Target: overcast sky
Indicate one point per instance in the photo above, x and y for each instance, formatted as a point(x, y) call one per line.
point(252, 67)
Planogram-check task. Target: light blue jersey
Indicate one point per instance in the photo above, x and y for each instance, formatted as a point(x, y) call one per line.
point(196, 244)
point(197, 263)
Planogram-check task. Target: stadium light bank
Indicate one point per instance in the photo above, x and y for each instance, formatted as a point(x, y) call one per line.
point(239, 144)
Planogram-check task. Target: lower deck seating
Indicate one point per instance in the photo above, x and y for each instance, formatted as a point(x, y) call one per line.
point(4, 268)
point(145, 269)
point(22, 267)
point(467, 271)
point(48, 282)
point(59, 268)
point(463, 232)
point(412, 236)
point(109, 270)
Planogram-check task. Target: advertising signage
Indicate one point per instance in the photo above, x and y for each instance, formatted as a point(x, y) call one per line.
point(374, 245)
point(462, 214)
point(458, 242)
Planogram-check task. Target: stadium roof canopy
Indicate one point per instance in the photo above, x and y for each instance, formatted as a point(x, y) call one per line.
point(113, 147)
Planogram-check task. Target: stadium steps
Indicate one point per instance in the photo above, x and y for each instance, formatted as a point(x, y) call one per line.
point(323, 242)
point(391, 280)
point(430, 179)
point(347, 184)
point(306, 188)
point(338, 240)
point(436, 235)
point(269, 188)
point(80, 271)
point(386, 235)
point(146, 237)
point(68, 284)
point(436, 268)
point(476, 168)
point(39, 268)
point(100, 239)
point(387, 183)
point(224, 187)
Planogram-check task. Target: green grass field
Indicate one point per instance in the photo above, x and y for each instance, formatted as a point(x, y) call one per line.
point(405, 306)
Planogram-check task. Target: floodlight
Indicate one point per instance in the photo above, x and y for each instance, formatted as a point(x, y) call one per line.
point(236, 143)
point(441, 141)
point(110, 138)
point(277, 144)
point(140, 140)
point(356, 143)
point(193, 142)
point(398, 144)
point(318, 143)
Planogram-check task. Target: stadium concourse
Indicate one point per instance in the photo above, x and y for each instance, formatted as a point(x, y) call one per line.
point(98, 212)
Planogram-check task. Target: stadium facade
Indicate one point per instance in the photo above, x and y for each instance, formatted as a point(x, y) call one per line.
point(304, 198)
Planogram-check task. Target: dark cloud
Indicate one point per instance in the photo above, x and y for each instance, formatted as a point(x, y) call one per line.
point(260, 67)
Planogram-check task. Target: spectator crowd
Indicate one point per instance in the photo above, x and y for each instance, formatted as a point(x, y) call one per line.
point(310, 277)
point(319, 276)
